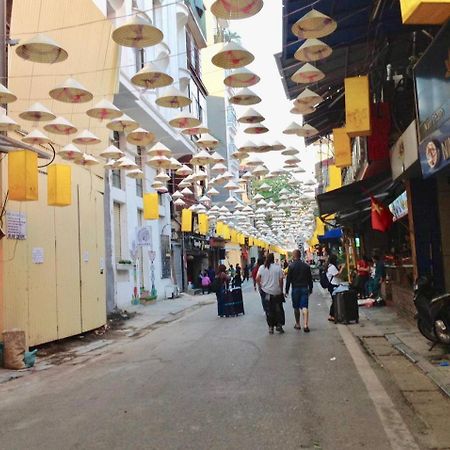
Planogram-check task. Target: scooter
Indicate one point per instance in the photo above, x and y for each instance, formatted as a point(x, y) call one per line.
point(433, 312)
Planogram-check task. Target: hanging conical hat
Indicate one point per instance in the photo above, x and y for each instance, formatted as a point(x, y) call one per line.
point(86, 160)
point(263, 147)
point(245, 96)
point(236, 9)
point(104, 110)
point(179, 202)
point(217, 157)
point(8, 124)
point(135, 173)
point(41, 49)
point(6, 96)
point(231, 186)
point(248, 147)
point(313, 50)
point(122, 123)
point(195, 131)
point(278, 146)
point(292, 160)
point(71, 91)
point(314, 24)
point(212, 191)
point(303, 110)
point(307, 74)
point(260, 170)
point(159, 149)
point(241, 78)
point(293, 128)
point(232, 56)
point(36, 137)
point(187, 191)
point(60, 126)
point(162, 176)
point(200, 175)
point(202, 158)
point(184, 170)
point(86, 138)
point(290, 151)
point(239, 155)
point(125, 163)
point(253, 160)
point(112, 152)
point(159, 161)
point(251, 116)
point(256, 130)
point(185, 120)
point(141, 137)
point(157, 185)
point(150, 77)
point(173, 98)
point(138, 33)
point(307, 98)
point(307, 131)
point(175, 164)
point(207, 141)
point(219, 168)
point(70, 152)
point(177, 194)
point(37, 113)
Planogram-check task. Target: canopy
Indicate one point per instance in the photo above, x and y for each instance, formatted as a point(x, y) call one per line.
point(334, 233)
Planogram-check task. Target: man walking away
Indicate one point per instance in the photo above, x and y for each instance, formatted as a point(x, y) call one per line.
point(270, 282)
point(300, 277)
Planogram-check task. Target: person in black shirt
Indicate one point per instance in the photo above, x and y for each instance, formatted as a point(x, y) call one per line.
point(299, 276)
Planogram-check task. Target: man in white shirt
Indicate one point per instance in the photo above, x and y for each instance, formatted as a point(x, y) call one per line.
point(270, 282)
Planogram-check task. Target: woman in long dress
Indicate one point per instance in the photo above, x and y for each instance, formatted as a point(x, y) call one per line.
point(222, 279)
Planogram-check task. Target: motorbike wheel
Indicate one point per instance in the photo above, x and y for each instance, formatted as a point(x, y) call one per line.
point(442, 330)
point(425, 331)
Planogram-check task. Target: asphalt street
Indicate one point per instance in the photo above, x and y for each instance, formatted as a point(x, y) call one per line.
point(204, 382)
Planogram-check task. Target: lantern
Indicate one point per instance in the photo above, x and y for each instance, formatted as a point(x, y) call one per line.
point(357, 106)
point(151, 206)
point(23, 175)
point(59, 185)
point(425, 12)
point(186, 220)
point(203, 224)
point(342, 147)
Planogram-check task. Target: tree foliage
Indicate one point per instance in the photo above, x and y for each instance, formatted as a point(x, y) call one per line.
point(276, 185)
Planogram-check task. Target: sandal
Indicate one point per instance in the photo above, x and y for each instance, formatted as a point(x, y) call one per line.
point(330, 319)
point(271, 330)
point(297, 327)
point(306, 329)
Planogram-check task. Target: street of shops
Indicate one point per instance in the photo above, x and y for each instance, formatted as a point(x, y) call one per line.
point(202, 382)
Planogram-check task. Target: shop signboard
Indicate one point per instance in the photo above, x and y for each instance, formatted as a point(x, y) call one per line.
point(432, 75)
point(399, 207)
point(404, 152)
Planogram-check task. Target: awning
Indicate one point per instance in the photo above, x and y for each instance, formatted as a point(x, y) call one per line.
point(330, 235)
point(354, 198)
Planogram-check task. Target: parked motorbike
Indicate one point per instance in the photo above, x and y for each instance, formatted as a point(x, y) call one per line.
point(433, 312)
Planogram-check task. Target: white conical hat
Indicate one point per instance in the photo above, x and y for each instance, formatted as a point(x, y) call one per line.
point(104, 110)
point(137, 32)
point(35, 137)
point(314, 24)
point(236, 9)
point(37, 112)
point(313, 50)
point(71, 91)
point(112, 152)
point(150, 77)
point(232, 56)
point(41, 49)
point(60, 126)
point(6, 96)
point(307, 74)
point(86, 138)
point(8, 124)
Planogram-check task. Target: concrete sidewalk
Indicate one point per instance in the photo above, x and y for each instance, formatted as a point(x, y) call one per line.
point(143, 319)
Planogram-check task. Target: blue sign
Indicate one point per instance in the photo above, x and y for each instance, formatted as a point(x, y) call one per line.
point(432, 76)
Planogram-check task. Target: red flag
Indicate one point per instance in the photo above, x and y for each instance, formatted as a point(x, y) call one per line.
point(381, 216)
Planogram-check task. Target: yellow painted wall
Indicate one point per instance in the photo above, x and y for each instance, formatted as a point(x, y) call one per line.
point(66, 294)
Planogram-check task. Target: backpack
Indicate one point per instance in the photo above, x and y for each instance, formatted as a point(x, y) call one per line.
point(215, 285)
point(323, 279)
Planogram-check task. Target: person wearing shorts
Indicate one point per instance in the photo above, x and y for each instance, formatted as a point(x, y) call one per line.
point(300, 278)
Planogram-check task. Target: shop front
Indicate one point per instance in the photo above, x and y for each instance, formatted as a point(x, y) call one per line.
point(196, 248)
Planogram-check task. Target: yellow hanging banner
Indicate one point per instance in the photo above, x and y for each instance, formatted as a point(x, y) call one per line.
point(425, 12)
point(226, 232)
point(59, 185)
point(357, 106)
point(219, 229)
point(241, 239)
point(342, 147)
point(250, 241)
point(186, 220)
point(22, 176)
point(234, 237)
point(151, 206)
point(203, 224)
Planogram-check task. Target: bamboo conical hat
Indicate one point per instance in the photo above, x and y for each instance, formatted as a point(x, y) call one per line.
point(236, 9)
point(241, 78)
point(159, 149)
point(159, 161)
point(137, 33)
point(185, 120)
point(195, 131)
point(293, 128)
point(122, 123)
point(104, 110)
point(70, 152)
point(232, 56)
point(36, 137)
point(207, 141)
point(245, 96)
point(202, 158)
point(302, 110)
point(174, 163)
point(314, 24)
point(112, 152)
point(184, 170)
point(8, 124)
point(135, 173)
point(86, 138)
point(6, 96)
point(290, 151)
point(307, 98)
point(60, 126)
point(41, 49)
point(256, 130)
point(307, 131)
point(86, 160)
point(251, 116)
point(313, 50)
point(150, 77)
point(307, 74)
point(37, 113)
point(239, 155)
point(141, 137)
point(71, 91)
point(278, 146)
point(173, 98)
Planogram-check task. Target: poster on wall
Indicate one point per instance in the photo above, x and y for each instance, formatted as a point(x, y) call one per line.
point(399, 207)
point(16, 225)
point(432, 77)
point(144, 236)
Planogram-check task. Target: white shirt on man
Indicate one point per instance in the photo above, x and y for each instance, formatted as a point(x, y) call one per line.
point(332, 271)
point(270, 279)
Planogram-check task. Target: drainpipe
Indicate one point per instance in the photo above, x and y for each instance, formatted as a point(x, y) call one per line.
point(110, 278)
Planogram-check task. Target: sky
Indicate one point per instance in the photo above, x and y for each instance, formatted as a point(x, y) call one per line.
point(262, 35)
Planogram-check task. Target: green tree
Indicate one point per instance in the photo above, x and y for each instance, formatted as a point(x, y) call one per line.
point(276, 185)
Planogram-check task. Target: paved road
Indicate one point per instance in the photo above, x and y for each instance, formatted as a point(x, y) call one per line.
point(205, 383)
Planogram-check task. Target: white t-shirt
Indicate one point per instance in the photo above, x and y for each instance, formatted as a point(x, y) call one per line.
point(270, 279)
point(332, 271)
